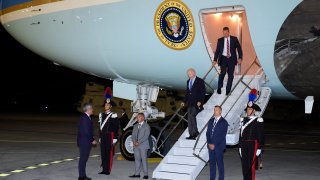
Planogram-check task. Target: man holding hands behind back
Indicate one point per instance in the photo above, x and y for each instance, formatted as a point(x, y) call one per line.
point(140, 139)
point(216, 140)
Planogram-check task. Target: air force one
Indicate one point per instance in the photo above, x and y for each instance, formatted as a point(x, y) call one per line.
point(144, 45)
point(135, 41)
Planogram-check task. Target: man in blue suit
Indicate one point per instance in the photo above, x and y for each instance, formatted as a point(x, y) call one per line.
point(195, 95)
point(227, 56)
point(216, 140)
point(85, 139)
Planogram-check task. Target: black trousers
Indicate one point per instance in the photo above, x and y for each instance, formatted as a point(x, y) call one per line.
point(84, 155)
point(226, 65)
point(249, 158)
point(107, 151)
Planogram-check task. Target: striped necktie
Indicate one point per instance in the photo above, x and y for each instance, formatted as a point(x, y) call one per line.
point(214, 125)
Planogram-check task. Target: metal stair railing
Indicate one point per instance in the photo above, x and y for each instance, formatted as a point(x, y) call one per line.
point(216, 74)
point(254, 62)
point(181, 116)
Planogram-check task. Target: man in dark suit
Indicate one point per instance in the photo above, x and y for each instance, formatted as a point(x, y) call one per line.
point(216, 140)
point(85, 140)
point(109, 126)
point(124, 120)
point(227, 56)
point(194, 98)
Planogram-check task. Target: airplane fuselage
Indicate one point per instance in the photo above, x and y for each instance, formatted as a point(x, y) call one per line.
point(117, 39)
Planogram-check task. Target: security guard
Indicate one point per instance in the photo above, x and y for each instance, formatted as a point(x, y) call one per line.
point(251, 140)
point(109, 125)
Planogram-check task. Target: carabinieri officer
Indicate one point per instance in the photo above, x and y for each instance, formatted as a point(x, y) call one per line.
point(109, 125)
point(251, 140)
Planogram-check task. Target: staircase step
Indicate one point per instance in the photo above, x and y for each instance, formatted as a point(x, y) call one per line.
point(183, 152)
point(179, 151)
point(180, 169)
point(183, 160)
point(233, 139)
point(190, 143)
point(170, 175)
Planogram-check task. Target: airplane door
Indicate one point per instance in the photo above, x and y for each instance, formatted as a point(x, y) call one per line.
point(213, 21)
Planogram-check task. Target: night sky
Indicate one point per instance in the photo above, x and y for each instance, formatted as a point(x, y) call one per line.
point(31, 83)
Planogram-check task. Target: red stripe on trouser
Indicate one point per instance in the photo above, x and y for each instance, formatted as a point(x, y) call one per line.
point(253, 167)
point(111, 151)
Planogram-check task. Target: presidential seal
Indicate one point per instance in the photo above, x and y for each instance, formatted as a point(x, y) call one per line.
point(174, 24)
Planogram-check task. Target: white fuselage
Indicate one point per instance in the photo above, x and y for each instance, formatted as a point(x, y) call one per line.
point(115, 39)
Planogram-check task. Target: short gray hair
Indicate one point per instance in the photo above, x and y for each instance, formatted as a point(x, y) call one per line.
point(86, 107)
point(191, 69)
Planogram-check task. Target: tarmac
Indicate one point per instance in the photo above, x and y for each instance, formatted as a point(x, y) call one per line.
point(43, 147)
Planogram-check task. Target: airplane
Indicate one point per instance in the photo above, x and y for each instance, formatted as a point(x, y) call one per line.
point(147, 45)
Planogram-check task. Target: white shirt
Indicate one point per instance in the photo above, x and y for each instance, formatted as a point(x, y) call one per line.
point(88, 115)
point(216, 119)
point(140, 124)
point(192, 81)
point(224, 53)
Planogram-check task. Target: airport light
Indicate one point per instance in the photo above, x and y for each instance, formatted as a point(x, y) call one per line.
point(4, 175)
point(17, 171)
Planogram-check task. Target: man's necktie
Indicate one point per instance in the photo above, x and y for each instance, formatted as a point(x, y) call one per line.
point(214, 125)
point(139, 126)
point(228, 48)
point(190, 84)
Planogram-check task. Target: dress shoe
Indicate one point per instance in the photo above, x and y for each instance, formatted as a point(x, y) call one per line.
point(219, 91)
point(134, 176)
point(145, 177)
point(190, 137)
point(228, 93)
point(260, 166)
point(105, 173)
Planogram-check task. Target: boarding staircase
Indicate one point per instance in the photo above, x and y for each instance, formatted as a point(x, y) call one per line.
point(186, 158)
